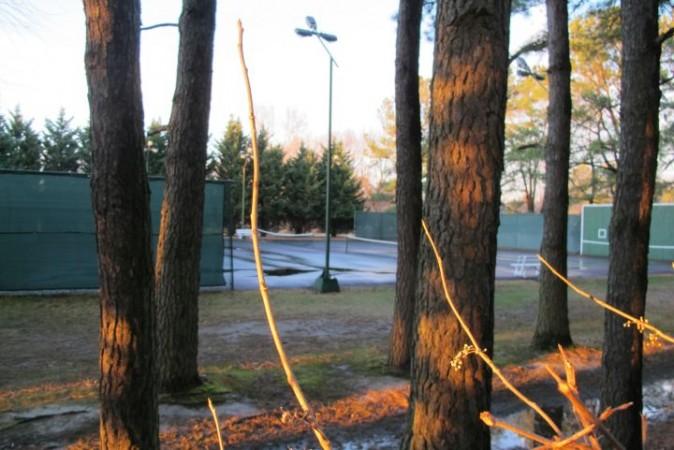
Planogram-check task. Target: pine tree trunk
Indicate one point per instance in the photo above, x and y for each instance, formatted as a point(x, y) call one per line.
point(120, 201)
point(631, 219)
point(552, 324)
point(408, 184)
point(462, 212)
point(179, 244)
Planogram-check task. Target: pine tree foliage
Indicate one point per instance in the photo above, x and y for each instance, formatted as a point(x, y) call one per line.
point(345, 191)
point(302, 190)
point(156, 143)
point(60, 145)
point(24, 147)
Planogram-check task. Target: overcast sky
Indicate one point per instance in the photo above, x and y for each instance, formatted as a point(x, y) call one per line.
point(42, 70)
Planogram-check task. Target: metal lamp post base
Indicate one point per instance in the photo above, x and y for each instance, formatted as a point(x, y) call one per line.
point(325, 284)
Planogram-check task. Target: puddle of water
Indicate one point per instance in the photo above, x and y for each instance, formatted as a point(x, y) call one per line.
point(658, 406)
point(179, 413)
point(659, 400)
point(284, 272)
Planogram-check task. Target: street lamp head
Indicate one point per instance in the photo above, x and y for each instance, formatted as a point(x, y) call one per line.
point(311, 22)
point(327, 37)
point(304, 33)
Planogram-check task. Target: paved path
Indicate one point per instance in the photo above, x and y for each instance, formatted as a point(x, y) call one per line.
point(297, 263)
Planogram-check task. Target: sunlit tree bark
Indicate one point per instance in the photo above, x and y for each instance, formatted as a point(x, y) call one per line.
point(120, 200)
point(408, 183)
point(179, 244)
point(631, 219)
point(552, 323)
point(462, 210)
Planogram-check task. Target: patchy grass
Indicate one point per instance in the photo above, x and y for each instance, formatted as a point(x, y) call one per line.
point(48, 393)
point(49, 344)
point(324, 377)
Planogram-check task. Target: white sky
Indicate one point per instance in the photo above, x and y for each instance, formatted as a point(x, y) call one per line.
point(42, 70)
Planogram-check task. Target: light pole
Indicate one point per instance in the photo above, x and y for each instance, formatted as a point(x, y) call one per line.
point(325, 283)
point(245, 156)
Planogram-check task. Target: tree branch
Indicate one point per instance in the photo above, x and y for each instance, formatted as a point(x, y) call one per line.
point(159, 25)
point(537, 44)
point(664, 36)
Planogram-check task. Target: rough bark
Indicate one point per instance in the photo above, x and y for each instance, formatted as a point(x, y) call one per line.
point(462, 210)
point(179, 244)
point(631, 219)
point(120, 201)
point(552, 323)
point(408, 184)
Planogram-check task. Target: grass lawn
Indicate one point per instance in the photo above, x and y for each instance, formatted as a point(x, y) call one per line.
point(49, 344)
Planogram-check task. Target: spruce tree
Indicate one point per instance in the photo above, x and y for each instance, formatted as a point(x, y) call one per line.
point(60, 146)
point(302, 200)
point(156, 142)
point(345, 190)
point(24, 143)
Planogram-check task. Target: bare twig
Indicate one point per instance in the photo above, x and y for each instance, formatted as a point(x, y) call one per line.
point(666, 35)
point(264, 292)
point(580, 409)
point(584, 419)
point(565, 443)
point(217, 422)
point(537, 44)
point(641, 323)
point(159, 25)
point(477, 349)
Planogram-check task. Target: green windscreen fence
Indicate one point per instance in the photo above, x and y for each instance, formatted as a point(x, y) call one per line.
point(374, 225)
point(595, 231)
point(47, 238)
point(525, 232)
point(517, 231)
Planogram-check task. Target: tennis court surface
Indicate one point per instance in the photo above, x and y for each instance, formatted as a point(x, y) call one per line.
point(296, 262)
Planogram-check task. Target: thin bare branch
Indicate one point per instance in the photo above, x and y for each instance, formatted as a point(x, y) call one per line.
point(476, 346)
point(490, 421)
point(159, 25)
point(264, 291)
point(581, 411)
point(641, 323)
point(537, 44)
point(584, 419)
point(214, 413)
point(666, 35)
point(565, 443)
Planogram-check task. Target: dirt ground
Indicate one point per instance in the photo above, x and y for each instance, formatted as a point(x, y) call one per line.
point(337, 342)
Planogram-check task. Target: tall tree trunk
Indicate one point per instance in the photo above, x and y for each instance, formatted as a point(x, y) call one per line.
point(631, 219)
point(552, 323)
point(462, 211)
point(179, 245)
point(120, 201)
point(408, 184)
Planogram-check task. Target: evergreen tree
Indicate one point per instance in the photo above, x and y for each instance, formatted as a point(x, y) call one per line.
point(5, 143)
point(272, 189)
point(230, 159)
point(84, 150)
point(345, 190)
point(302, 199)
point(24, 143)
point(60, 146)
point(156, 142)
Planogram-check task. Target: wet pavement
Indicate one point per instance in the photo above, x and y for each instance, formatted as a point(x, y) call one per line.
point(297, 263)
